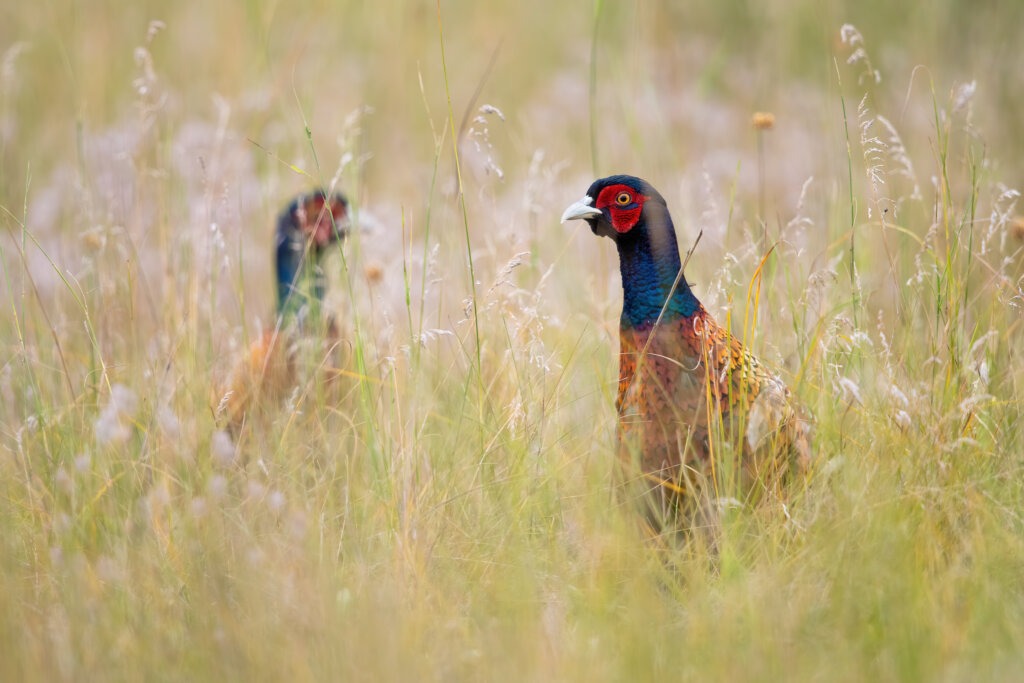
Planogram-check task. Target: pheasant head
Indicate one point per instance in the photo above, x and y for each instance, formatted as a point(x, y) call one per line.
point(306, 228)
point(635, 216)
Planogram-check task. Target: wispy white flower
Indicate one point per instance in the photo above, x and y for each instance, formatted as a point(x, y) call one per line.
point(222, 449)
point(198, 507)
point(168, 421)
point(853, 38)
point(254, 490)
point(82, 462)
point(898, 396)
point(112, 425)
point(217, 487)
point(962, 96)
point(983, 373)
point(296, 525)
point(850, 390)
point(65, 483)
point(276, 501)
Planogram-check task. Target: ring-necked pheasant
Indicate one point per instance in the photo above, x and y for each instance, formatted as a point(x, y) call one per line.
point(306, 228)
point(696, 408)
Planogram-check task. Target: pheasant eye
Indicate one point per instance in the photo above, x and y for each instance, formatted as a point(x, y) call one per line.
point(623, 199)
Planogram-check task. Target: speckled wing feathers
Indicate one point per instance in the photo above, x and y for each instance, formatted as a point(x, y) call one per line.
point(670, 405)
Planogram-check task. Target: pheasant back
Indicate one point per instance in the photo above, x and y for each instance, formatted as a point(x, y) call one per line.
point(687, 387)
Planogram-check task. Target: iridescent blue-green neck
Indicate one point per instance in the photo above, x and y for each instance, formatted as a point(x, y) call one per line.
point(649, 263)
point(301, 283)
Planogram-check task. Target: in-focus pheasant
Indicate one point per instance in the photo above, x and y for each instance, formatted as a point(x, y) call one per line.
point(306, 228)
point(698, 413)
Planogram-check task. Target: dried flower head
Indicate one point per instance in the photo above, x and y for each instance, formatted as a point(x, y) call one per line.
point(763, 120)
point(94, 239)
point(374, 272)
point(1017, 227)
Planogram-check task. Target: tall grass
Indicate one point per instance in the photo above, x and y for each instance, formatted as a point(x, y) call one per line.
point(444, 508)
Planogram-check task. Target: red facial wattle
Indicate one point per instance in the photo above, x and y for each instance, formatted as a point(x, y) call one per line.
point(624, 205)
point(321, 222)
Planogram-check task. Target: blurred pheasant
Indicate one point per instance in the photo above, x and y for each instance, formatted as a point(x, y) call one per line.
point(306, 228)
point(683, 378)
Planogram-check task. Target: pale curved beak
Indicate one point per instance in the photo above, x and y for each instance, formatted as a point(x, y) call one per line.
point(581, 209)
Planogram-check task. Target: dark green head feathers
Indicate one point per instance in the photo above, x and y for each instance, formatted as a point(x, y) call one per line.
point(634, 215)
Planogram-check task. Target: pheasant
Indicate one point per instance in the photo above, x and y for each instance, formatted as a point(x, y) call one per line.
point(306, 228)
point(683, 379)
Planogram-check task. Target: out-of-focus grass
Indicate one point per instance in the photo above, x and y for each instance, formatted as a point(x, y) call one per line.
point(429, 516)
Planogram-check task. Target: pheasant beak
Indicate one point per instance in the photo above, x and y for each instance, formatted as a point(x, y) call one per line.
point(581, 209)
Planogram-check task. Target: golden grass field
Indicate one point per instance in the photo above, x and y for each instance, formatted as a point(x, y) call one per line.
point(446, 510)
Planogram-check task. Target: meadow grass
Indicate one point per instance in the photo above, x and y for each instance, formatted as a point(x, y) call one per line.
point(444, 509)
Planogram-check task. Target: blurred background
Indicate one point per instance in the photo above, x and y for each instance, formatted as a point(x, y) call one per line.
point(172, 122)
